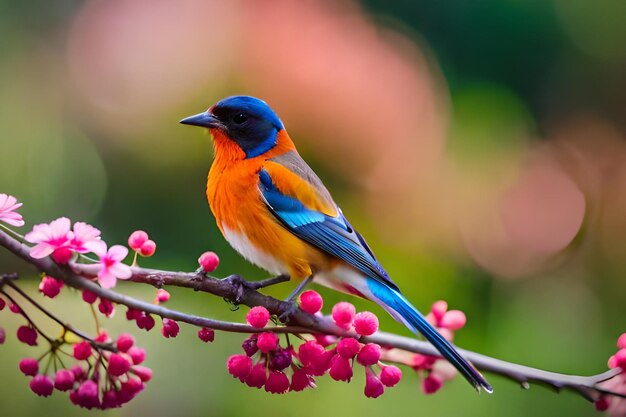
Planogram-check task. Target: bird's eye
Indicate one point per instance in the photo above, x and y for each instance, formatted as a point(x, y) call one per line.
point(240, 118)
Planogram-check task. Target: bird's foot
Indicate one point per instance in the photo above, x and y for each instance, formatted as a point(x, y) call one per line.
point(285, 316)
point(240, 284)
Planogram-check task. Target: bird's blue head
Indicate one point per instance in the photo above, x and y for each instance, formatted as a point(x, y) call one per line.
point(246, 120)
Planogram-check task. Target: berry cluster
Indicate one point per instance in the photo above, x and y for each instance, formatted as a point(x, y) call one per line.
point(435, 370)
point(616, 406)
point(275, 364)
point(105, 374)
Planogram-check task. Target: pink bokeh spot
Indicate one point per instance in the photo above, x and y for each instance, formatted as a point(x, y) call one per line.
point(544, 210)
point(8, 215)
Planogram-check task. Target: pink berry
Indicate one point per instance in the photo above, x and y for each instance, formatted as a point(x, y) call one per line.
point(206, 335)
point(258, 317)
point(41, 385)
point(118, 365)
point(82, 350)
point(29, 366)
point(321, 364)
point(438, 309)
point(373, 387)
point(267, 342)
point(64, 380)
point(102, 337)
point(87, 394)
point(62, 255)
point(109, 399)
point(89, 297)
point(621, 341)
point(124, 342)
point(148, 248)
point(209, 261)
point(277, 383)
point(620, 358)
point(343, 314)
point(281, 359)
point(348, 347)
point(309, 351)
point(137, 239)
point(132, 314)
point(27, 335)
point(79, 372)
point(162, 295)
point(239, 366)
point(3, 335)
point(145, 321)
point(453, 320)
point(257, 376)
point(369, 354)
point(366, 323)
point(602, 404)
point(249, 345)
point(300, 380)
point(144, 373)
point(106, 307)
point(431, 384)
point(340, 369)
point(170, 328)
point(390, 375)
point(2, 303)
point(311, 301)
point(137, 355)
point(14, 308)
point(50, 287)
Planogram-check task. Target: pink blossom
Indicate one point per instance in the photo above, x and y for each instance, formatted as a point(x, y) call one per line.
point(49, 237)
point(239, 366)
point(118, 365)
point(348, 347)
point(301, 380)
point(64, 379)
point(110, 267)
point(85, 238)
point(124, 342)
point(8, 215)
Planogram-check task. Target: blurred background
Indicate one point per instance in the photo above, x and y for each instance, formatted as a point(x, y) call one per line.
point(479, 146)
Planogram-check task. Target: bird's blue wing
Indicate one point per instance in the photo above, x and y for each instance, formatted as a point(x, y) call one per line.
point(333, 235)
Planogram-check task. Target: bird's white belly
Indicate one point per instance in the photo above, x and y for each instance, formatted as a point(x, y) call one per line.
point(242, 244)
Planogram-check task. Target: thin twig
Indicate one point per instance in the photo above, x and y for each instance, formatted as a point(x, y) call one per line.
point(300, 322)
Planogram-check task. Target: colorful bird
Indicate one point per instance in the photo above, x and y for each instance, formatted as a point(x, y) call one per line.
point(274, 211)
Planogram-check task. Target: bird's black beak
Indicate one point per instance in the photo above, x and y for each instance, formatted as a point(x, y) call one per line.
point(203, 120)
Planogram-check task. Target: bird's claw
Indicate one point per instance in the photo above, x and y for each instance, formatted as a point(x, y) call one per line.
point(239, 284)
point(285, 316)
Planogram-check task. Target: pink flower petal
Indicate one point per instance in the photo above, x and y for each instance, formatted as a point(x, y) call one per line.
point(106, 278)
point(41, 250)
point(453, 320)
point(121, 271)
point(118, 252)
point(60, 226)
point(99, 247)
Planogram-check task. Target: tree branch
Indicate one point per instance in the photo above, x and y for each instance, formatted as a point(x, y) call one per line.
point(231, 289)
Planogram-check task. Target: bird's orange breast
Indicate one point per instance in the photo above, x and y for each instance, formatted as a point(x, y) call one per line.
point(243, 218)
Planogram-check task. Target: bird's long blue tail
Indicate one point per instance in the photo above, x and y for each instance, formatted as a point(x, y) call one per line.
point(401, 309)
